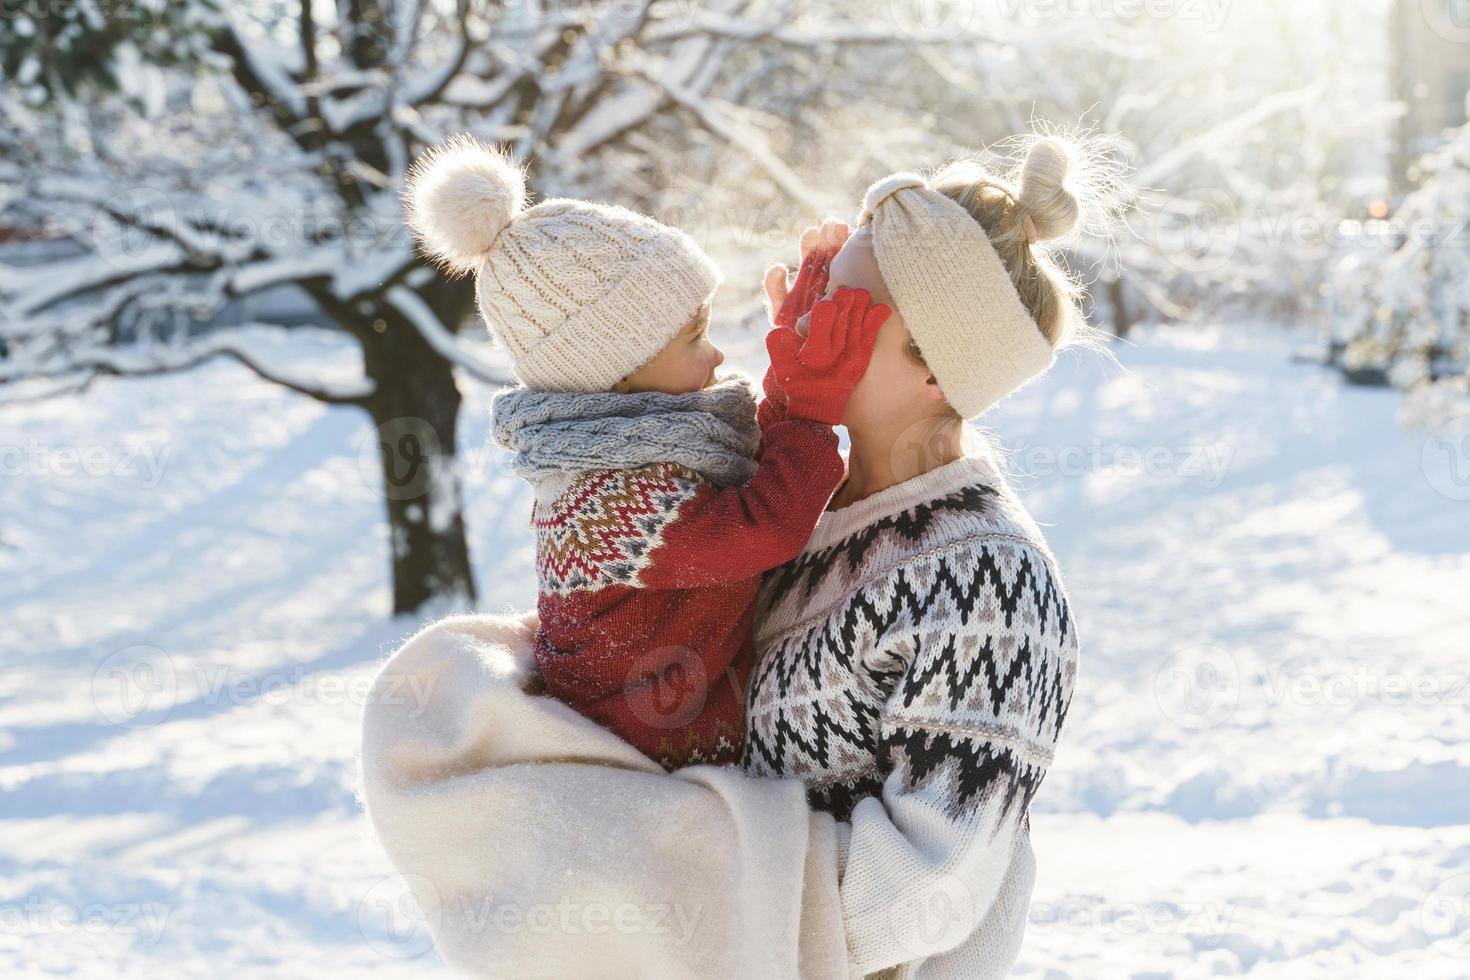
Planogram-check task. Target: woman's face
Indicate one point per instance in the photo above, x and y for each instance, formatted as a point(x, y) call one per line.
point(893, 381)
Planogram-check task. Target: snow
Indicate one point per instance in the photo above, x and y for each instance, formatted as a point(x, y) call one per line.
point(284, 269)
point(1264, 771)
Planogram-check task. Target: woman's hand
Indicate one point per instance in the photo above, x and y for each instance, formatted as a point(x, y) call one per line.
point(819, 245)
point(817, 373)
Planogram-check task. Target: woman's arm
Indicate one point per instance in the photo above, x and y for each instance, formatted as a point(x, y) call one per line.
point(988, 667)
point(537, 843)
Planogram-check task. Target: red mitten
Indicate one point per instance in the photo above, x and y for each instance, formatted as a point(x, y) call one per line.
point(818, 372)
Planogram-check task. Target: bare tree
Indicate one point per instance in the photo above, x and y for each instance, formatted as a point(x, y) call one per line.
point(273, 155)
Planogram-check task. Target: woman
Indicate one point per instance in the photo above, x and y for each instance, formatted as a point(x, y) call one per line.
point(914, 668)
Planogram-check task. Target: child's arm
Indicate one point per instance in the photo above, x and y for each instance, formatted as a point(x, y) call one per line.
point(732, 534)
point(772, 408)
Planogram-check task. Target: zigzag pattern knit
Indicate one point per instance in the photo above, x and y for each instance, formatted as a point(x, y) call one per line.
point(915, 665)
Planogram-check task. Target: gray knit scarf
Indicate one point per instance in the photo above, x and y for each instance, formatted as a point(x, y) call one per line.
point(712, 431)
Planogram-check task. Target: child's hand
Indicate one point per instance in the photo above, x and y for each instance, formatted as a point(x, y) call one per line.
point(818, 247)
point(817, 373)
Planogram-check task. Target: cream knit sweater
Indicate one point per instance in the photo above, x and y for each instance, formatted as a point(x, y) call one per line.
point(915, 666)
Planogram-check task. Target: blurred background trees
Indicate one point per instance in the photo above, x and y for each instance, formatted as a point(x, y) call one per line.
point(190, 180)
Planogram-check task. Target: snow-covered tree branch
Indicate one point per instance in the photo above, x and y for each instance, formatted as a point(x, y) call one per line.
point(267, 151)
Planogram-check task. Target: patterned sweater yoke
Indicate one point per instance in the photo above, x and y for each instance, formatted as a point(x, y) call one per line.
point(647, 579)
point(915, 664)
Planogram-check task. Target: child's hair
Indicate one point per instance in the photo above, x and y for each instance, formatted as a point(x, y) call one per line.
point(1065, 185)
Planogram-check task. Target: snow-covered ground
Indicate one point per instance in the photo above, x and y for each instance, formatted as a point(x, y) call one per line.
point(1266, 770)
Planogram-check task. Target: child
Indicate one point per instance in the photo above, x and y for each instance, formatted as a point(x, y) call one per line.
point(659, 499)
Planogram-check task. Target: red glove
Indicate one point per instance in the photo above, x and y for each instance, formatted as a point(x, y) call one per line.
point(817, 373)
point(810, 286)
point(819, 246)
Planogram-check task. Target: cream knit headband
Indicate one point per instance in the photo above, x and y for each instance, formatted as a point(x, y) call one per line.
point(954, 293)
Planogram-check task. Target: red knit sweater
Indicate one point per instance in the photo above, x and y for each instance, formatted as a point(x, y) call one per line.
point(648, 579)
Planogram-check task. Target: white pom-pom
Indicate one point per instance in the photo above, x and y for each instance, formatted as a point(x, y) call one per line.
point(458, 197)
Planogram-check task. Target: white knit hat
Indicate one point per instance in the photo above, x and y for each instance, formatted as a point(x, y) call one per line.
point(954, 293)
point(580, 294)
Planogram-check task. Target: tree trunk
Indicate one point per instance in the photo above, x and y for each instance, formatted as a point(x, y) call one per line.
point(416, 410)
point(1121, 323)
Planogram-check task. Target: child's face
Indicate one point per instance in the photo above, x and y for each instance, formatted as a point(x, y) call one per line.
point(687, 363)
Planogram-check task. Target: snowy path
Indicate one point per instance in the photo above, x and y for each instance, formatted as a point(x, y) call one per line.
point(1266, 770)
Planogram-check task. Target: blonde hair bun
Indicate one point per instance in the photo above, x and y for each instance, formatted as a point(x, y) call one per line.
point(1044, 194)
point(1065, 186)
